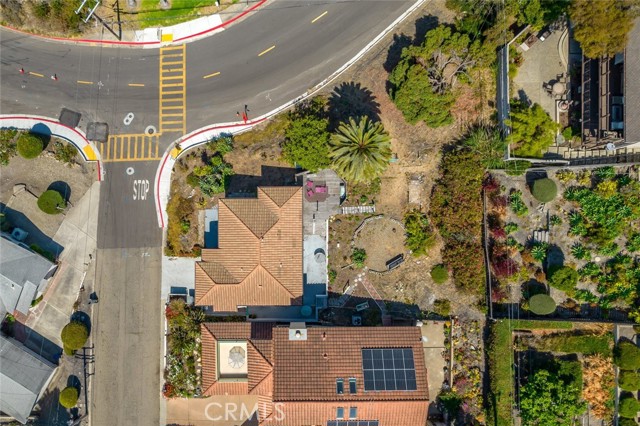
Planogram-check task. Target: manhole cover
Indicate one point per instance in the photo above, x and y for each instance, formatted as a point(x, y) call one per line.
point(130, 171)
point(98, 132)
point(150, 130)
point(69, 118)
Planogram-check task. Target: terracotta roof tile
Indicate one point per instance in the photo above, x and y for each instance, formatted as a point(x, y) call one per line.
point(330, 353)
point(259, 259)
point(279, 194)
point(388, 413)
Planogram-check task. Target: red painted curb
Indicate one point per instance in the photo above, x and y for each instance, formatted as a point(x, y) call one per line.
point(166, 157)
point(137, 43)
point(46, 120)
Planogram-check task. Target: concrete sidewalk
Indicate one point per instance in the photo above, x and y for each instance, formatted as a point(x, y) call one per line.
point(77, 234)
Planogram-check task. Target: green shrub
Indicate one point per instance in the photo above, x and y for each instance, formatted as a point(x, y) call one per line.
point(542, 304)
point(193, 180)
point(629, 406)
point(439, 274)
point(510, 227)
point(626, 355)
point(69, 397)
point(565, 175)
point(442, 307)
point(517, 167)
point(563, 278)
point(555, 220)
point(333, 274)
point(544, 190)
point(517, 205)
point(29, 145)
point(358, 257)
point(7, 145)
point(604, 173)
point(633, 242)
point(579, 251)
point(626, 422)
point(51, 202)
point(65, 153)
point(629, 380)
point(74, 335)
point(419, 235)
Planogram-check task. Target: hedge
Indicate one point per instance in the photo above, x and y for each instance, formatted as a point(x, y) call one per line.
point(629, 380)
point(51, 202)
point(439, 274)
point(516, 167)
point(626, 355)
point(29, 145)
point(544, 190)
point(542, 304)
point(69, 397)
point(629, 406)
point(74, 335)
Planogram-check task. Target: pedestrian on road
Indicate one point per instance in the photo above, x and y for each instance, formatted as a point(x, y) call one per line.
point(21, 70)
point(54, 77)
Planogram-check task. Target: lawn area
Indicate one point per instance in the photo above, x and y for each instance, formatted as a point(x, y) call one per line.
point(150, 14)
point(499, 399)
point(586, 344)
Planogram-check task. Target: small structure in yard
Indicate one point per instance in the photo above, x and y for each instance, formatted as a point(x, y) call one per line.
point(395, 262)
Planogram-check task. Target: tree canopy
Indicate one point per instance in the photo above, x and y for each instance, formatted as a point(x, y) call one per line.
point(602, 27)
point(306, 142)
point(532, 130)
point(360, 151)
point(423, 80)
point(549, 400)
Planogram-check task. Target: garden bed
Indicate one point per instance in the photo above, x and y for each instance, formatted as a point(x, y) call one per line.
point(574, 239)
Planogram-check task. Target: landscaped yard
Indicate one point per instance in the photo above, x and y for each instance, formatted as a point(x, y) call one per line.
point(151, 14)
point(581, 353)
point(572, 234)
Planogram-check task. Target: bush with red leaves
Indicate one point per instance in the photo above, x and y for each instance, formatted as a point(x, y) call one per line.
point(504, 267)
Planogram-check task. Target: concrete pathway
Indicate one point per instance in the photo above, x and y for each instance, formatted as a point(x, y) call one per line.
point(433, 345)
point(77, 234)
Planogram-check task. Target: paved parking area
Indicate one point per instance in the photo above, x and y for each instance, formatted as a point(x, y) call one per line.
point(542, 63)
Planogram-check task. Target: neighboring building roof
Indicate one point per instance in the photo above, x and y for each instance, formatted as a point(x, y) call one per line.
point(258, 261)
point(23, 376)
point(22, 274)
point(632, 85)
point(331, 353)
point(296, 378)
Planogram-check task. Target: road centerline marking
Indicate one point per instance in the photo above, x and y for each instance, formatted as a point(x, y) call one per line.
point(212, 75)
point(320, 16)
point(135, 85)
point(267, 50)
point(84, 82)
point(37, 74)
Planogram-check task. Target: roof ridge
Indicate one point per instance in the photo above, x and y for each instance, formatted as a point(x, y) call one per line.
point(257, 201)
point(277, 280)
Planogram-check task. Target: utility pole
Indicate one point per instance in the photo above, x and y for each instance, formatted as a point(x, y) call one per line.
point(92, 13)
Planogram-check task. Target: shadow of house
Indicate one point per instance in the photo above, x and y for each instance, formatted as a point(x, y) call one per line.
point(239, 186)
point(20, 220)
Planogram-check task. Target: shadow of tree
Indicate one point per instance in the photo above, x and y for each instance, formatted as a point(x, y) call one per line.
point(63, 188)
point(351, 100)
point(400, 41)
point(82, 317)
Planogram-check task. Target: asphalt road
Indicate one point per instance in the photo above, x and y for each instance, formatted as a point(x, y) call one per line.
point(269, 58)
point(106, 83)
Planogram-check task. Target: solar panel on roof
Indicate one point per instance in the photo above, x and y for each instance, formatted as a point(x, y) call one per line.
point(388, 369)
point(353, 423)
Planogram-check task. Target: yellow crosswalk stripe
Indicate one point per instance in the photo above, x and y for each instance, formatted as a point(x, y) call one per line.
point(131, 147)
point(172, 89)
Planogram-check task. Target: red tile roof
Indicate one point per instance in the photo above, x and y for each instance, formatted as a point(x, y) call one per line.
point(259, 259)
point(259, 368)
point(296, 379)
point(307, 370)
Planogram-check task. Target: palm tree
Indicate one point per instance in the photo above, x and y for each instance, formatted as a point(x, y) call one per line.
point(360, 151)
